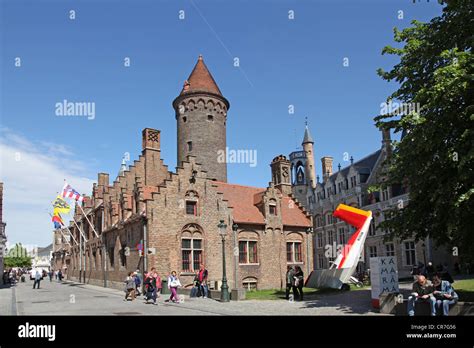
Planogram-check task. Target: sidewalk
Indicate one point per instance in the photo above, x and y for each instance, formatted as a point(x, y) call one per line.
point(7, 300)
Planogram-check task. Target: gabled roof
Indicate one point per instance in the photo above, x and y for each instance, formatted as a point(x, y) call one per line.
point(363, 166)
point(201, 80)
point(244, 201)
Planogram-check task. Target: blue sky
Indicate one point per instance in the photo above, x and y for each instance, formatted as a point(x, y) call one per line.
point(282, 62)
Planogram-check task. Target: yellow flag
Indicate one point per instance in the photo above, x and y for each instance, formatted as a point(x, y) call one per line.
point(60, 206)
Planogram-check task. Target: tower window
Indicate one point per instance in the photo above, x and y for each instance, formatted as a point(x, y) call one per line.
point(184, 119)
point(273, 209)
point(191, 208)
point(190, 146)
point(210, 118)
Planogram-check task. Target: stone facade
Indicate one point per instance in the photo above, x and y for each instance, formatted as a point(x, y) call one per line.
point(175, 215)
point(358, 185)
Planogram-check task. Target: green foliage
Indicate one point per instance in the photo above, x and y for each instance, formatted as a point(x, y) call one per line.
point(17, 251)
point(17, 262)
point(435, 158)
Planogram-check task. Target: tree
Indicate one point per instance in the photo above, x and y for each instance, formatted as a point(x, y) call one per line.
point(435, 156)
point(17, 257)
point(17, 262)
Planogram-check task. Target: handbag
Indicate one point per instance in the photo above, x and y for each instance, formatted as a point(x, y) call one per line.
point(174, 283)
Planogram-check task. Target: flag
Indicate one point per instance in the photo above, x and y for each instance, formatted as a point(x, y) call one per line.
point(61, 206)
point(57, 220)
point(69, 192)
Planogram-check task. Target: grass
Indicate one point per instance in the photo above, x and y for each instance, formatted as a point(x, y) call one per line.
point(278, 294)
point(465, 289)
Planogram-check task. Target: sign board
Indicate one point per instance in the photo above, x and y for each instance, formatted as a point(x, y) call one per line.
point(383, 277)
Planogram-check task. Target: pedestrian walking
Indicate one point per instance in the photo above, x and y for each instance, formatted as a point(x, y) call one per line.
point(37, 281)
point(173, 285)
point(138, 282)
point(50, 274)
point(129, 287)
point(299, 282)
point(60, 275)
point(150, 288)
point(157, 278)
point(202, 277)
point(290, 281)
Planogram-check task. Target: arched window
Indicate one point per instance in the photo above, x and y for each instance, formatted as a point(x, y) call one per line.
point(191, 248)
point(294, 248)
point(192, 200)
point(248, 248)
point(272, 207)
point(300, 177)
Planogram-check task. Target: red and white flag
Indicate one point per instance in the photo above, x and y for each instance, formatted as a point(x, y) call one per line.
point(69, 192)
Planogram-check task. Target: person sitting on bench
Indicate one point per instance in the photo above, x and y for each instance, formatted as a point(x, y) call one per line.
point(422, 292)
point(443, 293)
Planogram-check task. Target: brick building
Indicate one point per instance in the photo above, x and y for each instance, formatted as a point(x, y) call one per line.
point(175, 214)
point(357, 185)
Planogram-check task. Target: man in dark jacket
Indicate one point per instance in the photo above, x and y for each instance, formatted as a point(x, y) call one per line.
point(290, 281)
point(422, 292)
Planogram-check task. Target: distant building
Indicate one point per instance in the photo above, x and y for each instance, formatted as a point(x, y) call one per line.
point(3, 236)
point(41, 257)
point(358, 185)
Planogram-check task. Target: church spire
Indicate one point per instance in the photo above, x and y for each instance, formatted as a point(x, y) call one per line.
point(308, 143)
point(307, 135)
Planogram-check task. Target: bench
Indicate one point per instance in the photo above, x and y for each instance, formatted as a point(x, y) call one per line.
point(423, 308)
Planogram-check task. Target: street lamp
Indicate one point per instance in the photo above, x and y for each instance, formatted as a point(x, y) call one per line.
point(224, 288)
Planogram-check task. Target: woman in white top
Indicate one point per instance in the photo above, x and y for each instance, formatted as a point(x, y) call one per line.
point(173, 285)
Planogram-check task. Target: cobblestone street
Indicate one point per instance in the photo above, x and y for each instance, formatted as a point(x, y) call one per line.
point(69, 298)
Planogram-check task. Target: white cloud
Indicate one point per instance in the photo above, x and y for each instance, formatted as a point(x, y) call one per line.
point(33, 173)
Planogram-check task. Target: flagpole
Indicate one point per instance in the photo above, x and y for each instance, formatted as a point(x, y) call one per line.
point(83, 212)
point(80, 230)
point(70, 233)
point(80, 256)
point(74, 239)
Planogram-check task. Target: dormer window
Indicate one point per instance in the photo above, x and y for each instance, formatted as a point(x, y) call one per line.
point(273, 209)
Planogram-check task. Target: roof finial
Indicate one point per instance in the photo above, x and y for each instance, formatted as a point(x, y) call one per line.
point(339, 167)
point(352, 160)
point(200, 57)
point(306, 121)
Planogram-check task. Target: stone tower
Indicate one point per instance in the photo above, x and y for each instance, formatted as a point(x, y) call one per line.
point(281, 174)
point(303, 172)
point(308, 144)
point(201, 114)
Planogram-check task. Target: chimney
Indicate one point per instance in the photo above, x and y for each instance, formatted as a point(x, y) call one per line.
point(103, 179)
point(150, 139)
point(386, 140)
point(327, 167)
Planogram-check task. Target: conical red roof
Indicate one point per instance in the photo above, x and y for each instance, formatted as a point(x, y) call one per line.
point(200, 80)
